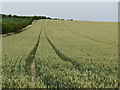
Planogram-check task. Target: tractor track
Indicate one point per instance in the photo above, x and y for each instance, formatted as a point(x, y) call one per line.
point(62, 55)
point(78, 34)
point(30, 61)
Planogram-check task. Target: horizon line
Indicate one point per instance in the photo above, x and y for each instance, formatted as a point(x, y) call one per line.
point(62, 18)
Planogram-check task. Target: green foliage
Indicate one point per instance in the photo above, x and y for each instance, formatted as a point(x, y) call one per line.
point(41, 17)
point(17, 22)
point(14, 24)
point(9, 15)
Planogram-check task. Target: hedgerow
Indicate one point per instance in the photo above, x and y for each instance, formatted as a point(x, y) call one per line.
point(14, 27)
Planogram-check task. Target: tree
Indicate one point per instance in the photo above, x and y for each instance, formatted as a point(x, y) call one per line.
point(54, 18)
point(9, 15)
point(48, 18)
point(15, 16)
point(3, 15)
point(35, 17)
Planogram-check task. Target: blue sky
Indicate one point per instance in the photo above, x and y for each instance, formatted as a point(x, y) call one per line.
point(85, 11)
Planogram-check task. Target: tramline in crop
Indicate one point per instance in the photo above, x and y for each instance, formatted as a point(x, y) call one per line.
point(67, 54)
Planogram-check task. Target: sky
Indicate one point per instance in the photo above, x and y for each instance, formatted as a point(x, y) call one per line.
point(84, 11)
point(59, 0)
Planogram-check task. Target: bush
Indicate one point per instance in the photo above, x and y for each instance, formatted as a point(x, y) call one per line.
point(14, 27)
point(6, 28)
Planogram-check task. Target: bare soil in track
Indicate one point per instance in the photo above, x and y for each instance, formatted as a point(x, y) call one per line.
point(33, 68)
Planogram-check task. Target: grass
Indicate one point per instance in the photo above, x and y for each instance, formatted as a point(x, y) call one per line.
point(68, 54)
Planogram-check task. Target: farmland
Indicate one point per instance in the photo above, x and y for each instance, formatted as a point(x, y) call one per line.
point(66, 54)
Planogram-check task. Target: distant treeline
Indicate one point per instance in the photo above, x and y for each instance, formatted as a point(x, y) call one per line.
point(31, 17)
point(14, 23)
point(26, 17)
